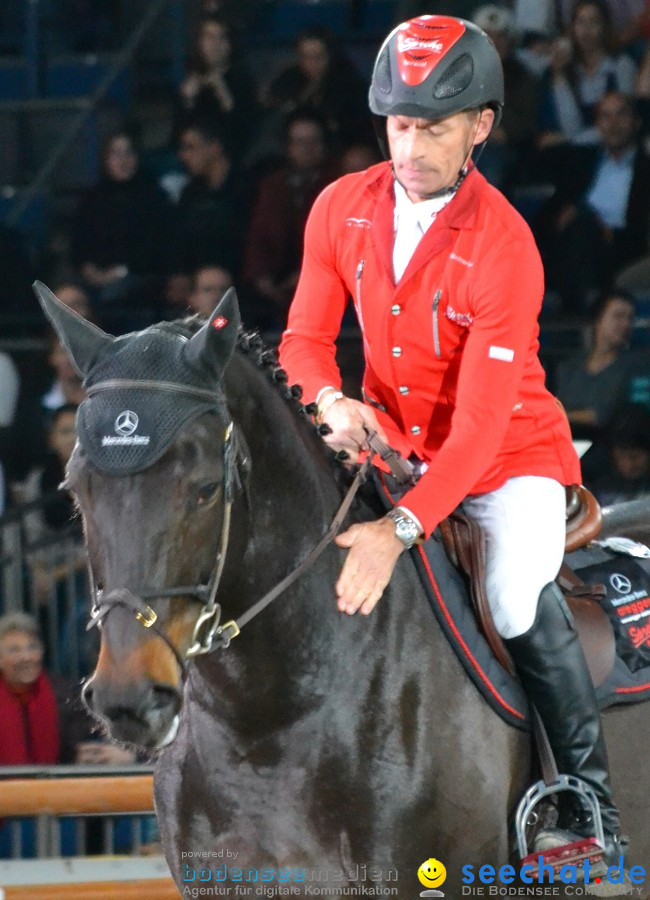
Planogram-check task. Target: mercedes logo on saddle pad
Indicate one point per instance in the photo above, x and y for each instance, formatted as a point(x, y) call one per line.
point(620, 583)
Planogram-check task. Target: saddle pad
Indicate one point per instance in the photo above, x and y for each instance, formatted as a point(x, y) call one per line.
point(446, 591)
point(447, 594)
point(627, 604)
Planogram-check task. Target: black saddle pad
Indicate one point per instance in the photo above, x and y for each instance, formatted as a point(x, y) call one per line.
point(446, 591)
point(626, 602)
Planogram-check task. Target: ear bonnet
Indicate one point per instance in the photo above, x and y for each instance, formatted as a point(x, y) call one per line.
point(143, 388)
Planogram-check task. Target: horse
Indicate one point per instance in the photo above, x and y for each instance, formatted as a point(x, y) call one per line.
point(311, 741)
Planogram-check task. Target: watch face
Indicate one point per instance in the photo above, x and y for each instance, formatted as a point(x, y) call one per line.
point(405, 529)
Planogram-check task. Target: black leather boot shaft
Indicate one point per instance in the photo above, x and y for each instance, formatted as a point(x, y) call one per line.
point(553, 670)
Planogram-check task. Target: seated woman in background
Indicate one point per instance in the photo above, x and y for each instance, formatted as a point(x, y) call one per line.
point(119, 234)
point(216, 85)
point(583, 68)
point(323, 80)
point(592, 384)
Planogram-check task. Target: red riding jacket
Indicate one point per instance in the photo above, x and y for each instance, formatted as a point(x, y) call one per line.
point(451, 350)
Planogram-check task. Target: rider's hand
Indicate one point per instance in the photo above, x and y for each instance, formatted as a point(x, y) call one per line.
point(347, 418)
point(374, 550)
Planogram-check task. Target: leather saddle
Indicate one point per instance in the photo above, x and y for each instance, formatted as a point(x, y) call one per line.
point(464, 542)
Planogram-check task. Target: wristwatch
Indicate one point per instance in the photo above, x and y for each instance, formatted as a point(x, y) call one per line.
point(405, 528)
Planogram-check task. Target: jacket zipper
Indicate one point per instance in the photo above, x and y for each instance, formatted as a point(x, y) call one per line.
point(436, 328)
point(360, 269)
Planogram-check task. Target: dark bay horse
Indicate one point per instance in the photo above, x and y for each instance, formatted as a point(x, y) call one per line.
point(315, 741)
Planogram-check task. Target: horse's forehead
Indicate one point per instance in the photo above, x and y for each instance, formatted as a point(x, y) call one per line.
point(127, 428)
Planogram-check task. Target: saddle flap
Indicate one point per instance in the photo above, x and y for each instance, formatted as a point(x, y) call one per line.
point(464, 542)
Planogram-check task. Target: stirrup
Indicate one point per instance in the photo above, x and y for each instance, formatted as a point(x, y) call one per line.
point(574, 852)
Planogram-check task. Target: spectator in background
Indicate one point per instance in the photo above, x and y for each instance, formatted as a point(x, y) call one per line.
point(592, 384)
point(273, 249)
point(583, 68)
point(216, 86)
point(535, 19)
point(323, 80)
point(357, 157)
point(9, 391)
point(598, 219)
point(55, 553)
point(627, 16)
point(209, 285)
point(27, 440)
point(513, 138)
point(208, 217)
point(627, 441)
point(75, 296)
point(66, 387)
point(41, 720)
point(119, 239)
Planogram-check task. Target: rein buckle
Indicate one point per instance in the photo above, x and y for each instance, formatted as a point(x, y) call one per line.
point(148, 617)
point(227, 638)
point(208, 620)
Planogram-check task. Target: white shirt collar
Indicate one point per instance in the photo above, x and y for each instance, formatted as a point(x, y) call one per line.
point(424, 212)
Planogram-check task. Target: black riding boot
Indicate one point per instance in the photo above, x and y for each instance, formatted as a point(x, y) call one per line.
point(553, 670)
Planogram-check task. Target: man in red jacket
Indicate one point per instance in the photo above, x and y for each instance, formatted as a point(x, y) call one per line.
point(447, 283)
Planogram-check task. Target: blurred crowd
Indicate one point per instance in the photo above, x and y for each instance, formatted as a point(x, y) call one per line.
point(224, 198)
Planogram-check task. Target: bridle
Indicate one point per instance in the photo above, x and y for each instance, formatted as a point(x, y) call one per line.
point(207, 623)
point(208, 627)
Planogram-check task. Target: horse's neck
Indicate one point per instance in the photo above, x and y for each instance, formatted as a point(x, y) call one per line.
point(292, 486)
point(292, 498)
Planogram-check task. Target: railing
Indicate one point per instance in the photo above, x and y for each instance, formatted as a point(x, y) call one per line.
point(51, 795)
point(47, 577)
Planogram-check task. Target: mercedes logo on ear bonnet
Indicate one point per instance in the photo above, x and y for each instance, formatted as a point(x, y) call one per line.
point(126, 423)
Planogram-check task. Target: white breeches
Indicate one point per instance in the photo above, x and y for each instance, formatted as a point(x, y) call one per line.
point(525, 524)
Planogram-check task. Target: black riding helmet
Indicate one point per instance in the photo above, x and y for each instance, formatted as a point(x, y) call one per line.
point(434, 66)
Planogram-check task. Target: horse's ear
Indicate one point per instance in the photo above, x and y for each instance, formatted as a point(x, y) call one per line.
point(213, 345)
point(81, 338)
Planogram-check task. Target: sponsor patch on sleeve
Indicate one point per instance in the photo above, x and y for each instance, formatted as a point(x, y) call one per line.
point(505, 354)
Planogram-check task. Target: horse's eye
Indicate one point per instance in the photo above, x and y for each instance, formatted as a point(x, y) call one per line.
point(207, 493)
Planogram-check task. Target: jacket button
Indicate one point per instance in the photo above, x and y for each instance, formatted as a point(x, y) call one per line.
point(404, 390)
point(396, 309)
point(397, 351)
point(415, 429)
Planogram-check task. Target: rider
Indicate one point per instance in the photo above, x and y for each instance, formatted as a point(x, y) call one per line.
point(447, 283)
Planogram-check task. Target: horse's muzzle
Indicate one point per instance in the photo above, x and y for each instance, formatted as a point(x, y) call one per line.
point(140, 713)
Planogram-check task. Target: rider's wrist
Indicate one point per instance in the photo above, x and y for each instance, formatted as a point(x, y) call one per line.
point(327, 398)
point(412, 515)
point(407, 527)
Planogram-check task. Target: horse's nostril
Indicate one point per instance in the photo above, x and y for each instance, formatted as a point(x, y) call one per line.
point(165, 699)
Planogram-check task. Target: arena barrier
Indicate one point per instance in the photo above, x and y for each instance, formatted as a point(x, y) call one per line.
point(91, 878)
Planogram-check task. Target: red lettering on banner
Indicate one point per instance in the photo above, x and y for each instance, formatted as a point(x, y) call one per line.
point(640, 636)
point(637, 607)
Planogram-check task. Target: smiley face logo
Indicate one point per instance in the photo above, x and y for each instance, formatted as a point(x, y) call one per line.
point(432, 874)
